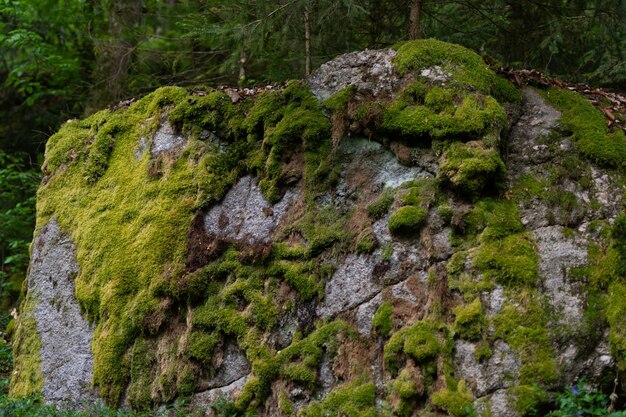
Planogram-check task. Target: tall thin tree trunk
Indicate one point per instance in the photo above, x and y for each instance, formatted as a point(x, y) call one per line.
point(243, 61)
point(307, 43)
point(414, 19)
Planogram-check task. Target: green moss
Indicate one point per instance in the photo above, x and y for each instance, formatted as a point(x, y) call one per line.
point(284, 404)
point(382, 323)
point(421, 192)
point(523, 324)
point(303, 277)
point(214, 112)
point(141, 359)
point(615, 313)
point(446, 212)
point(284, 119)
point(470, 320)
point(404, 385)
point(367, 243)
point(422, 341)
point(466, 67)
point(406, 389)
point(474, 117)
point(340, 99)
point(588, 127)
point(456, 264)
point(483, 351)
point(324, 227)
point(618, 236)
point(440, 99)
point(380, 207)
point(458, 403)
point(201, 346)
point(511, 261)
point(527, 397)
point(299, 362)
point(126, 222)
point(472, 169)
point(407, 220)
point(356, 399)
point(27, 379)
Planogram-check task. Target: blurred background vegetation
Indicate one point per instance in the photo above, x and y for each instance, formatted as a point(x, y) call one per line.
point(62, 59)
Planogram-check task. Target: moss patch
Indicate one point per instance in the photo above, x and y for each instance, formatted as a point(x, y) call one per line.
point(381, 323)
point(588, 127)
point(466, 66)
point(423, 341)
point(523, 324)
point(27, 379)
point(472, 169)
point(470, 320)
point(458, 403)
point(356, 399)
point(407, 220)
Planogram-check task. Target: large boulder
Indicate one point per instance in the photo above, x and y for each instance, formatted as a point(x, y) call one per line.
point(403, 232)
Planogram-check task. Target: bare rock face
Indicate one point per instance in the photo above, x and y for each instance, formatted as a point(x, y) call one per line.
point(245, 215)
point(66, 358)
point(370, 71)
point(443, 255)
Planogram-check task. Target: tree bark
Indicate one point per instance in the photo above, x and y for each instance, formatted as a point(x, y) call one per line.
point(414, 19)
point(243, 61)
point(307, 43)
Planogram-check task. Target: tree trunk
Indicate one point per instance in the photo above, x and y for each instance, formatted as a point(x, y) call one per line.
point(115, 55)
point(243, 61)
point(307, 43)
point(414, 19)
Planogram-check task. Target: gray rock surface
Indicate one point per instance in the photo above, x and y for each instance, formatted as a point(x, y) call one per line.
point(234, 366)
point(558, 254)
point(369, 71)
point(500, 403)
point(495, 373)
point(66, 357)
point(166, 140)
point(201, 401)
point(244, 215)
point(364, 314)
point(352, 284)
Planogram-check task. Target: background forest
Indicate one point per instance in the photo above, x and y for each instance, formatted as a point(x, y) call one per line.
point(63, 59)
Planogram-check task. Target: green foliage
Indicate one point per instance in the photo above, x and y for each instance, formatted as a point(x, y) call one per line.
point(580, 400)
point(589, 130)
point(407, 220)
point(382, 323)
point(18, 183)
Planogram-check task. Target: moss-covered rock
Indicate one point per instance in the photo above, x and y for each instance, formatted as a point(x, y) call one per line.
point(184, 283)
